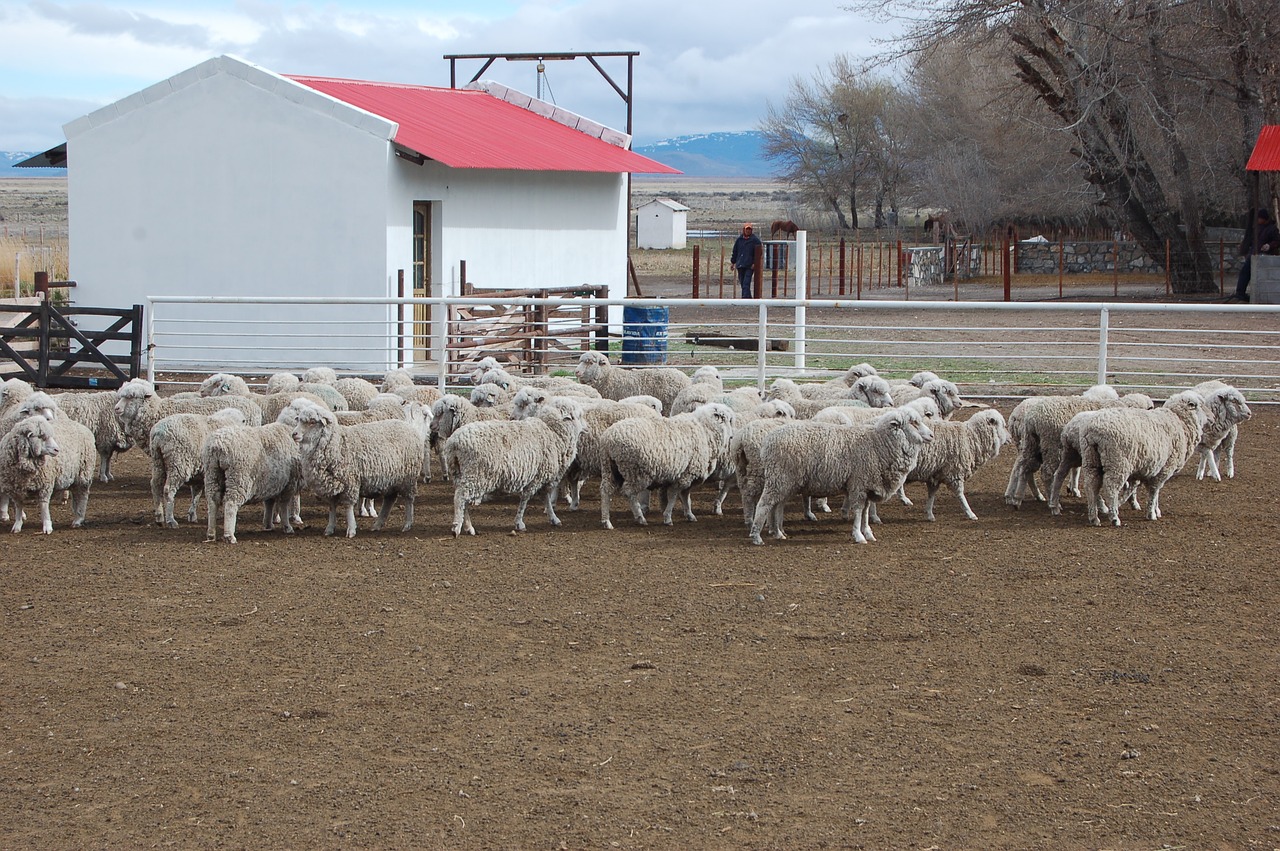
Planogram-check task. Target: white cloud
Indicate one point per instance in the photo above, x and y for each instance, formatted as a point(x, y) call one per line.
point(702, 67)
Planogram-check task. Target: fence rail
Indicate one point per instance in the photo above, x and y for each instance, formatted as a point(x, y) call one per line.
point(991, 349)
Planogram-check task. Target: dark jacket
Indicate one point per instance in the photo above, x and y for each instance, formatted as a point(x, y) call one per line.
point(744, 251)
point(1268, 239)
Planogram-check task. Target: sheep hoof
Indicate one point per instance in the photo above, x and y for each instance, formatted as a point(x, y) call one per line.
point(230, 539)
point(606, 524)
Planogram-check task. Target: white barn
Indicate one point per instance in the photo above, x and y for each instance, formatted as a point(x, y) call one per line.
point(661, 223)
point(229, 179)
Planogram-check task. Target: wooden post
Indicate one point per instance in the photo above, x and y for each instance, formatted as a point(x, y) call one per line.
point(697, 269)
point(464, 288)
point(1115, 268)
point(774, 264)
point(721, 268)
point(897, 256)
point(1168, 272)
point(1062, 264)
point(1222, 267)
point(859, 266)
point(842, 267)
point(1005, 271)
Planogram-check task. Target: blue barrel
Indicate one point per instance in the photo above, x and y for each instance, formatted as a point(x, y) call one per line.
point(644, 335)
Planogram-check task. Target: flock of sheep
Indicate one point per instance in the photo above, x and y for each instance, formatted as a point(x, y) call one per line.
point(647, 432)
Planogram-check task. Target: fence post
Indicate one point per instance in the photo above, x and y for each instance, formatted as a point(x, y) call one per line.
point(1062, 263)
point(1115, 268)
point(762, 344)
point(42, 354)
point(400, 318)
point(758, 273)
point(802, 293)
point(859, 266)
point(1005, 272)
point(1222, 267)
point(135, 343)
point(842, 267)
point(151, 343)
point(1168, 272)
point(1104, 325)
point(697, 269)
point(722, 268)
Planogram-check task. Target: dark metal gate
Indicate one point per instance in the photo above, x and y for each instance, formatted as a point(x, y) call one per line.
point(64, 343)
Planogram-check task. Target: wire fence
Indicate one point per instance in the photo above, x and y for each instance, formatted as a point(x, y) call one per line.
point(990, 349)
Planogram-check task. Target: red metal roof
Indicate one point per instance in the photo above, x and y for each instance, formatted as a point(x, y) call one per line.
point(1266, 152)
point(466, 128)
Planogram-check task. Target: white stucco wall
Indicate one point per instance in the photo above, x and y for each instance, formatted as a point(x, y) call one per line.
point(660, 226)
point(230, 182)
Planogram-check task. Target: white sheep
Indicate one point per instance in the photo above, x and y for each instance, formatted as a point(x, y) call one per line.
point(1227, 409)
point(357, 392)
point(139, 408)
point(1069, 461)
point(95, 410)
point(38, 403)
point(555, 384)
point(400, 382)
point(598, 416)
point(524, 457)
point(246, 463)
point(865, 462)
point(1037, 430)
point(675, 453)
point(956, 452)
point(450, 413)
point(320, 375)
point(282, 382)
point(40, 457)
point(615, 382)
point(744, 448)
point(341, 463)
point(1120, 445)
point(176, 458)
point(12, 392)
point(944, 392)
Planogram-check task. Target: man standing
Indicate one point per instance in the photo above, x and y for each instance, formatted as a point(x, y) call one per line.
point(743, 258)
point(1268, 243)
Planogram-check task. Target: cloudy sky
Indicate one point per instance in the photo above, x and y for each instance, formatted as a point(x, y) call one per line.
point(704, 65)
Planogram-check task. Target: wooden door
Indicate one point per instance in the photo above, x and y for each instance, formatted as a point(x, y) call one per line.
point(421, 281)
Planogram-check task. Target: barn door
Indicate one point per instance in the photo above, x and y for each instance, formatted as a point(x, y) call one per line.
point(421, 280)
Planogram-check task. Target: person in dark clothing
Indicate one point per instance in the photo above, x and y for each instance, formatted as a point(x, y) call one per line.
point(743, 258)
point(1268, 236)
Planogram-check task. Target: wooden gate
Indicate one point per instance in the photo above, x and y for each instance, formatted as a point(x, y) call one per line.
point(63, 344)
point(527, 337)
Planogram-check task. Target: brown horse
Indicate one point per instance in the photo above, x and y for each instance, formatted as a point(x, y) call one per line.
point(788, 228)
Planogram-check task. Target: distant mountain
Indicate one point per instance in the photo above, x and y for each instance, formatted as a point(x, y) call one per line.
point(712, 154)
point(8, 158)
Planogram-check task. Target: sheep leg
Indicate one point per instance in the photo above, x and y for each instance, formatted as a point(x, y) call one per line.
point(824, 506)
point(333, 517)
point(197, 489)
point(268, 515)
point(669, 505)
point(717, 506)
point(638, 499)
point(295, 513)
point(460, 520)
point(1110, 494)
point(931, 498)
point(409, 499)
point(104, 466)
point(606, 497)
point(688, 504)
point(1228, 447)
point(211, 498)
point(18, 515)
point(749, 487)
point(860, 535)
point(551, 496)
point(351, 517)
point(901, 493)
point(520, 509)
point(158, 490)
point(763, 510)
point(46, 521)
point(366, 508)
point(79, 504)
point(1153, 496)
point(230, 511)
point(388, 500)
point(1074, 487)
point(958, 487)
point(873, 514)
point(808, 509)
point(573, 491)
point(1210, 456)
point(4, 507)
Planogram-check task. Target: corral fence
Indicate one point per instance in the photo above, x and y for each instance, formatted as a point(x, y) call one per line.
point(67, 347)
point(861, 264)
point(990, 349)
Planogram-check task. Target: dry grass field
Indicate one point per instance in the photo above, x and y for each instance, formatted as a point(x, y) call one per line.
point(33, 231)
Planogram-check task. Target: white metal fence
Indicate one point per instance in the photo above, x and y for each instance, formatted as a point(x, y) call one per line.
point(991, 350)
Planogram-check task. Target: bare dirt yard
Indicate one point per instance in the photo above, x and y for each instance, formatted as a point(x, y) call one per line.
point(1019, 681)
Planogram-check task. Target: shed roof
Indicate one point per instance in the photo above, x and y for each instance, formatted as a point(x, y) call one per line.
point(471, 128)
point(674, 206)
point(1266, 151)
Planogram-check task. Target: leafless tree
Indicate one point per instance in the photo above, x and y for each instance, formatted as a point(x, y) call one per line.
point(1127, 82)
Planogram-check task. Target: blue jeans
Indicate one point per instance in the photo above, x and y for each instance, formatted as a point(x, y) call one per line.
point(745, 274)
point(1242, 280)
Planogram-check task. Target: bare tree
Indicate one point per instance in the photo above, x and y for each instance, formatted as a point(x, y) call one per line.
point(1126, 80)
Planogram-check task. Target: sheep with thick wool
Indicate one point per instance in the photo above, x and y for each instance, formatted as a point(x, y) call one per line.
point(744, 449)
point(39, 457)
point(1037, 431)
point(342, 463)
point(944, 392)
point(139, 408)
point(555, 384)
point(705, 386)
point(1227, 409)
point(95, 410)
point(1123, 445)
point(526, 457)
point(248, 463)
point(12, 392)
point(596, 417)
point(177, 459)
point(676, 453)
point(400, 382)
point(956, 452)
point(1069, 464)
point(864, 462)
point(616, 382)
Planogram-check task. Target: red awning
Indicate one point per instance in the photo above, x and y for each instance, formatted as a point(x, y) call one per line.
point(1266, 152)
point(466, 128)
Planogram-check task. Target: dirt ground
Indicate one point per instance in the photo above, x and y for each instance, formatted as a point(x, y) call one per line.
point(1022, 681)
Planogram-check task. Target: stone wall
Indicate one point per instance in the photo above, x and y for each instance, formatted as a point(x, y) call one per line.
point(1041, 258)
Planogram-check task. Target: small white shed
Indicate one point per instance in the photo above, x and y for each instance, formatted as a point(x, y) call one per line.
point(661, 223)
